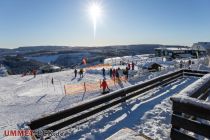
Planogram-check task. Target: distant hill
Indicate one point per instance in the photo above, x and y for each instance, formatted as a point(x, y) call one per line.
point(42, 50)
point(67, 56)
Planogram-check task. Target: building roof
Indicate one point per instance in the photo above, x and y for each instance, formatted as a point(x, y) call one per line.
point(149, 64)
point(173, 49)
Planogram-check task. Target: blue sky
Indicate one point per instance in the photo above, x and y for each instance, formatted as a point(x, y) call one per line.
point(67, 22)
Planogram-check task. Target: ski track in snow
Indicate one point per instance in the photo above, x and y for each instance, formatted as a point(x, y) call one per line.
point(25, 98)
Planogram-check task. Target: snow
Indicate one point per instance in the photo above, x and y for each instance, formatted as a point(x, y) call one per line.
point(137, 59)
point(26, 98)
point(148, 114)
point(185, 94)
point(3, 71)
point(125, 134)
point(197, 102)
point(195, 86)
point(174, 49)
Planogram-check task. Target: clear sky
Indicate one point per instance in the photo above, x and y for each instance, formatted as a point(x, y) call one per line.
point(67, 22)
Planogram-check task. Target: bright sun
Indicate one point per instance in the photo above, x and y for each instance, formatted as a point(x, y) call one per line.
point(95, 12)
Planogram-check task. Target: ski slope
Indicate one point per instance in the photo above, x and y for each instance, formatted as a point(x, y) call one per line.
point(25, 98)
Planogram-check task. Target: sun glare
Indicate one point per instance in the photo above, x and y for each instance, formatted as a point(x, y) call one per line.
point(95, 12)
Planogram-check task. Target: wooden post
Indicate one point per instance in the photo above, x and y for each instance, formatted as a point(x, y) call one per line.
point(65, 89)
point(84, 91)
point(84, 87)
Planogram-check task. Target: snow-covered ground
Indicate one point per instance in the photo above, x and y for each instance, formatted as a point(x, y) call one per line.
point(149, 114)
point(26, 98)
point(3, 71)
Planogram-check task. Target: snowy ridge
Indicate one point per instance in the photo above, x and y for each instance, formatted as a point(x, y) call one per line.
point(3, 71)
point(195, 86)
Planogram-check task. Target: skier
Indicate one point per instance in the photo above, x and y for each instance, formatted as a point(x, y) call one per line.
point(34, 73)
point(113, 73)
point(81, 73)
point(126, 73)
point(129, 66)
point(110, 72)
point(104, 85)
point(75, 73)
point(52, 81)
point(117, 75)
point(181, 64)
point(103, 70)
point(132, 66)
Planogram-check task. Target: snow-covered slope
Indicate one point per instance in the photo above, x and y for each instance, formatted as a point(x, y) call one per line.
point(3, 71)
point(26, 98)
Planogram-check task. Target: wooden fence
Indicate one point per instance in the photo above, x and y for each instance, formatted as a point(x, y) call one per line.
point(74, 115)
point(191, 115)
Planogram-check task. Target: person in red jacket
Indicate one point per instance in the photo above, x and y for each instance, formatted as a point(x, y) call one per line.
point(113, 73)
point(104, 85)
point(129, 66)
point(132, 65)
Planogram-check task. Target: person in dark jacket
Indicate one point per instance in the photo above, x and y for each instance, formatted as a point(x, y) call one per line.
point(52, 81)
point(81, 73)
point(181, 64)
point(113, 73)
point(117, 75)
point(75, 73)
point(103, 71)
point(132, 65)
point(129, 66)
point(126, 73)
point(110, 72)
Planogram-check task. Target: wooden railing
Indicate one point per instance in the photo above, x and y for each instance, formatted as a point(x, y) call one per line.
point(185, 116)
point(191, 115)
point(74, 115)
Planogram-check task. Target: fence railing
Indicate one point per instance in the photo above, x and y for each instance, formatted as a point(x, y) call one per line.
point(191, 114)
point(185, 116)
point(72, 116)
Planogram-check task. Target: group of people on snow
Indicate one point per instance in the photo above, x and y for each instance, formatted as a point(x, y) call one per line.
point(181, 64)
point(131, 66)
point(81, 72)
point(33, 72)
point(114, 73)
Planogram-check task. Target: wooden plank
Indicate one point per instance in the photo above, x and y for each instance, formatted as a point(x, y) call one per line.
point(191, 125)
point(83, 116)
point(201, 90)
point(204, 95)
point(191, 109)
point(74, 110)
point(177, 135)
point(194, 74)
point(195, 71)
